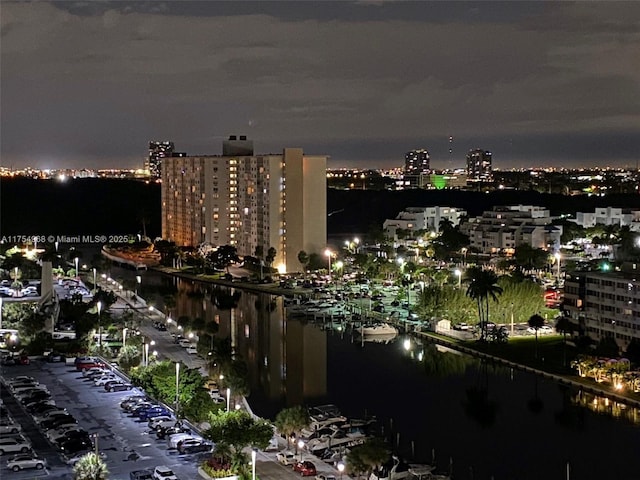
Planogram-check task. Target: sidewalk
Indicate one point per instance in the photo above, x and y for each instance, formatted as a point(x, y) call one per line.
point(267, 466)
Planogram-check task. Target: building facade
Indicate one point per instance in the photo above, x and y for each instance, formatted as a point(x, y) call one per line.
point(604, 304)
point(422, 218)
point(501, 230)
point(610, 216)
point(157, 151)
point(247, 201)
point(479, 166)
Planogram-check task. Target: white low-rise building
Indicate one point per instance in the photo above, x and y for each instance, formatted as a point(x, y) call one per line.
point(415, 219)
point(609, 216)
point(503, 228)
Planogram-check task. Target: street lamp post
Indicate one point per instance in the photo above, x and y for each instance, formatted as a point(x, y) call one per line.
point(327, 252)
point(254, 453)
point(458, 273)
point(124, 337)
point(228, 399)
point(340, 469)
point(557, 257)
point(0, 312)
point(94, 281)
point(138, 282)
point(77, 273)
point(99, 307)
point(177, 387)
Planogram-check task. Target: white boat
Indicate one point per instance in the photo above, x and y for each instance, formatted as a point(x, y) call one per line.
point(395, 469)
point(339, 438)
point(382, 338)
point(378, 329)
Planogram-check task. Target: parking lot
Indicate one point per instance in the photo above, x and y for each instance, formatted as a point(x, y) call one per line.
point(120, 437)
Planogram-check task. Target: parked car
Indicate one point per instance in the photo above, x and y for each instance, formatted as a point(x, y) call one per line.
point(164, 432)
point(184, 343)
point(194, 446)
point(74, 445)
point(54, 357)
point(136, 409)
point(173, 440)
point(8, 427)
point(85, 363)
point(14, 445)
point(71, 437)
point(56, 421)
point(72, 459)
point(192, 350)
point(153, 412)
point(20, 379)
point(160, 420)
point(117, 386)
point(100, 382)
point(286, 457)
point(141, 475)
point(42, 407)
point(131, 401)
point(305, 468)
point(93, 371)
point(26, 461)
point(58, 433)
point(163, 473)
point(49, 414)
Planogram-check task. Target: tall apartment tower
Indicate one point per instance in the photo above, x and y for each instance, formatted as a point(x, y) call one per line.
point(417, 162)
point(247, 200)
point(479, 165)
point(158, 151)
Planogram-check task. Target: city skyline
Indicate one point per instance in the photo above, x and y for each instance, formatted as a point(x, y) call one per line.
point(89, 84)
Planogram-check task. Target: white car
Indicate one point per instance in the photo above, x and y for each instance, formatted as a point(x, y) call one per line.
point(93, 371)
point(8, 427)
point(287, 457)
point(546, 329)
point(21, 389)
point(14, 445)
point(192, 350)
point(172, 440)
point(156, 421)
point(99, 382)
point(24, 461)
point(164, 473)
point(184, 343)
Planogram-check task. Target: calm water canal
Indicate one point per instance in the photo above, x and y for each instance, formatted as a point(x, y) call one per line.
point(490, 422)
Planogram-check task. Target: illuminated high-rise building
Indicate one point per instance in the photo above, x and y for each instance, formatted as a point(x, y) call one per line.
point(479, 166)
point(417, 162)
point(248, 201)
point(158, 151)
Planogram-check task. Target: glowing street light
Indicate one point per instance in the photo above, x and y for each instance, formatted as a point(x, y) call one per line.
point(138, 281)
point(340, 469)
point(328, 253)
point(0, 312)
point(557, 257)
point(254, 452)
point(94, 281)
point(99, 307)
point(458, 273)
point(300, 447)
point(77, 273)
point(124, 337)
point(228, 398)
point(177, 387)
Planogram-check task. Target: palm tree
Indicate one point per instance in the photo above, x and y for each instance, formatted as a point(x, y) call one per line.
point(483, 284)
point(90, 467)
point(290, 421)
point(303, 258)
point(536, 322)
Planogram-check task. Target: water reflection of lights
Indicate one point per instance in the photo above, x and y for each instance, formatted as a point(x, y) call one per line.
point(607, 406)
point(407, 344)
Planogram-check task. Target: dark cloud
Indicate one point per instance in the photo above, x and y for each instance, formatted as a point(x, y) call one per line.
point(91, 82)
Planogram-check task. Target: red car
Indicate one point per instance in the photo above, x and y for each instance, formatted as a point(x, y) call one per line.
point(306, 469)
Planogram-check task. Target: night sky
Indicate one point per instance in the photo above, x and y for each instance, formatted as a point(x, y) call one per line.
point(88, 84)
